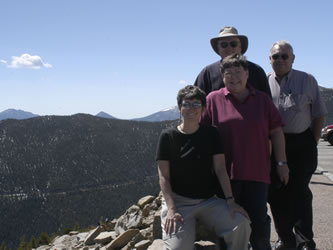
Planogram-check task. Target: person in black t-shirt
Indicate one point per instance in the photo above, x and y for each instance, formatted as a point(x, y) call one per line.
point(189, 158)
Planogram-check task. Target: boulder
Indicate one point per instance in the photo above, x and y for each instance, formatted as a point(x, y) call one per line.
point(122, 239)
point(204, 245)
point(142, 245)
point(147, 233)
point(131, 219)
point(145, 200)
point(105, 237)
point(156, 225)
point(92, 235)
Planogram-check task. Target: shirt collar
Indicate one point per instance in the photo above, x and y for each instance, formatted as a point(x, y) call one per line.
point(226, 92)
point(288, 76)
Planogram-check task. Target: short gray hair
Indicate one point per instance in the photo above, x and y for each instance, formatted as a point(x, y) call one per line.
point(283, 43)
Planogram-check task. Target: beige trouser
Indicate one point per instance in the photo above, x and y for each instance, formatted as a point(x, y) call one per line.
point(215, 215)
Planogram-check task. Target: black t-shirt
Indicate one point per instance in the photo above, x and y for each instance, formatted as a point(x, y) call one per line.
point(191, 160)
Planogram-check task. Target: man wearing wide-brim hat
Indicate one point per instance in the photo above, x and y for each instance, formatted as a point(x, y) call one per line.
point(227, 43)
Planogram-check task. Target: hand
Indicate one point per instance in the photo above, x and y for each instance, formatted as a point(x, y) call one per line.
point(283, 172)
point(235, 208)
point(171, 221)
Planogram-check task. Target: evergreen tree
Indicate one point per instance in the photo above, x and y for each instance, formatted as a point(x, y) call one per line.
point(43, 239)
point(23, 244)
point(32, 243)
point(3, 246)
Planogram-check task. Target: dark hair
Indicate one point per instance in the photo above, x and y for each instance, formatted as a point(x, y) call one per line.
point(191, 92)
point(234, 60)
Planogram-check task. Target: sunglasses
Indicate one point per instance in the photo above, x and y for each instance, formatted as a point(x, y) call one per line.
point(277, 56)
point(232, 44)
point(188, 105)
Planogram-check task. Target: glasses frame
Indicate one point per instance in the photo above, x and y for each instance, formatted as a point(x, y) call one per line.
point(283, 56)
point(232, 44)
point(194, 105)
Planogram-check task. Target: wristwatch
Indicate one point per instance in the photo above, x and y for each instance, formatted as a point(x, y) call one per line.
point(282, 163)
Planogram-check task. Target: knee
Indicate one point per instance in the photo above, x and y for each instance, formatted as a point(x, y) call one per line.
point(182, 240)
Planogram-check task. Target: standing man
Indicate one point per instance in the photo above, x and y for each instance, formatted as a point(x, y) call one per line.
point(296, 95)
point(227, 43)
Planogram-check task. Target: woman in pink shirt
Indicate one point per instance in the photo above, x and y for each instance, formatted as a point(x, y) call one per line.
point(247, 119)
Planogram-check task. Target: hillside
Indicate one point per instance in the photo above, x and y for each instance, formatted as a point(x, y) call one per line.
point(327, 95)
point(56, 171)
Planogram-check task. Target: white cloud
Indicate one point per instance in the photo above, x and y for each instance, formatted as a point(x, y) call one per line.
point(3, 61)
point(28, 61)
point(183, 82)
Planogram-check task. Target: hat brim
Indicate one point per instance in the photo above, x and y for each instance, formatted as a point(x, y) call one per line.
point(243, 39)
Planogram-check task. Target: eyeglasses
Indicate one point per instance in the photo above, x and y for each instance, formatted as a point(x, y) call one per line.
point(232, 44)
point(283, 56)
point(188, 105)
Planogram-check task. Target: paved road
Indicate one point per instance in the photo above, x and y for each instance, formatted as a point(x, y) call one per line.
point(325, 158)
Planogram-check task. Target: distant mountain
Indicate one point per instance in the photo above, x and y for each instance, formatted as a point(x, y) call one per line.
point(56, 171)
point(164, 115)
point(105, 115)
point(16, 114)
point(327, 95)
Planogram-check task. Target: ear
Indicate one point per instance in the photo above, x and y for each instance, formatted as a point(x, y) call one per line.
point(293, 59)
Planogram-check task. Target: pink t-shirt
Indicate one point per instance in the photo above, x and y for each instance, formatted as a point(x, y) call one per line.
point(244, 128)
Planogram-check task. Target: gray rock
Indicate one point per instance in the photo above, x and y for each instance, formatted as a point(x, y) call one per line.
point(92, 235)
point(147, 233)
point(105, 237)
point(122, 239)
point(157, 228)
point(145, 200)
point(205, 245)
point(131, 219)
point(142, 245)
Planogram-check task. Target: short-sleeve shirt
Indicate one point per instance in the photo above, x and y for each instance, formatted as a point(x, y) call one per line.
point(190, 158)
point(298, 99)
point(244, 128)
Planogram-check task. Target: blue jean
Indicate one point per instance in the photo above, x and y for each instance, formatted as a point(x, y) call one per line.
point(252, 196)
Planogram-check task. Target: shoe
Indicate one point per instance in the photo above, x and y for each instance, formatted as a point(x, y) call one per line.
point(305, 247)
point(279, 245)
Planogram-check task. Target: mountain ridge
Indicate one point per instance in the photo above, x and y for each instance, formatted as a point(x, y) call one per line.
point(56, 171)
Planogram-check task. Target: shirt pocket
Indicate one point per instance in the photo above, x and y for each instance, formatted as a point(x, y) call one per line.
point(294, 102)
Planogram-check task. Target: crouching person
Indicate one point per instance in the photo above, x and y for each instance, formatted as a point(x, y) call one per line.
point(189, 158)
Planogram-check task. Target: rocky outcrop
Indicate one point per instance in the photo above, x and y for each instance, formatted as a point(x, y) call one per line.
point(138, 228)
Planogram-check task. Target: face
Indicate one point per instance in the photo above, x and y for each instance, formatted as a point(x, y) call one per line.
point(191, 110)
point(229, 50)
point(281, 59)
point(235, 79)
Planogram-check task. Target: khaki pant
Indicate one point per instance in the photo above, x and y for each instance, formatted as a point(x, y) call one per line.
point(214, 214)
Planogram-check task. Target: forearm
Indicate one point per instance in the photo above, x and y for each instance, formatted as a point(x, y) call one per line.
point(222, 175)
point(167, 193)
point(316, 127)
point(278, 144)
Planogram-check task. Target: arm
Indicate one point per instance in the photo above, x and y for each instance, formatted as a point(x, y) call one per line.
point(222, 175)
point(172, 216)
point(278, 144)
point(316, 127)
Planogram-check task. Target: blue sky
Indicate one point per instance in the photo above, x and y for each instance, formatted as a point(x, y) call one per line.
point(129, 58)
